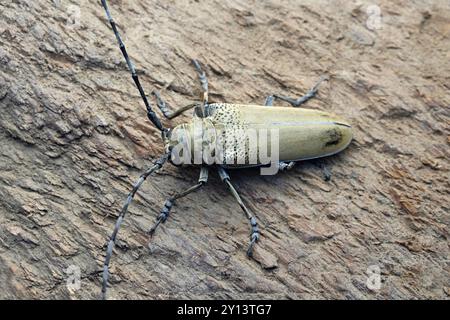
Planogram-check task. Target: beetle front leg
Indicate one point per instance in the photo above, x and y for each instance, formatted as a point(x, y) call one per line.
point(297, 102)
point(269, 101)
point(171, 201)
point(165, 110)
point(254, 236)
point(204, 83)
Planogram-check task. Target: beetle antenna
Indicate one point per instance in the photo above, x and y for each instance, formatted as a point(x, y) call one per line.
point(112, 240)
point(150, 113)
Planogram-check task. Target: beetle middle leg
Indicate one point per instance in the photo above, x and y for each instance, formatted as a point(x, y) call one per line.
point(297, 102)
point(254, 236)
point(171, 201)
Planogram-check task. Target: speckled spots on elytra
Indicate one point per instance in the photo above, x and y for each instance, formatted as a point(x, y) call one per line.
point(228, 122)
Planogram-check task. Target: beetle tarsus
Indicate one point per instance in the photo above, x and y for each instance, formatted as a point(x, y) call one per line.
point(286, 166)
point(254, 236)
point(163, 215)
point(152, 230)
point(326, 173)
point(310, 94)
point(161, 104)
point(251, 246)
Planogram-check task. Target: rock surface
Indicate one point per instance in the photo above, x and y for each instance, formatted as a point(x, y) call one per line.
point(74, 137)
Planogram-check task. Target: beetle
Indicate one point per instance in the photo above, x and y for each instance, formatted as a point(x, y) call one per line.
point(301, 134)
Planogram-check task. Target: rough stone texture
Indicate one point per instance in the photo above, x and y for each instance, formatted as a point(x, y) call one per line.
point(74, 137)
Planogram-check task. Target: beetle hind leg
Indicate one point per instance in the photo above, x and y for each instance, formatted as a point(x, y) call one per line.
point(297, 102)
point(254, 235)
point(325, 171)
point(285, 166)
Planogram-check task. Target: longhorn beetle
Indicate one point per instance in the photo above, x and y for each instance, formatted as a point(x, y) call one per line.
point(302, 134)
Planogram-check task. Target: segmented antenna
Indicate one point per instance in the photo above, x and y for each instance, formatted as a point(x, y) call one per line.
point(112, 240)
point(150, 113)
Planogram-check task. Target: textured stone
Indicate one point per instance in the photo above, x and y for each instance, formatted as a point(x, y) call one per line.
point(74, 137)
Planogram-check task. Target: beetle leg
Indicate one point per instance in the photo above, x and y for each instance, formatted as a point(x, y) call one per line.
point(204, 82)
point(254, 236)
point(171, 201)
point(310, 94)
point(165, 110)
point(285, 166)
point(269, 101)
point(326, 172)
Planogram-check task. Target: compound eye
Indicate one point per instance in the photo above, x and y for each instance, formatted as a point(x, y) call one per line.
point(198, 111)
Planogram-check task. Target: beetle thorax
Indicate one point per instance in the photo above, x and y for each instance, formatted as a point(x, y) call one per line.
point(188, 141)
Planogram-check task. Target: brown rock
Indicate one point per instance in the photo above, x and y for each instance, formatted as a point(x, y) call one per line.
point(74, 137)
